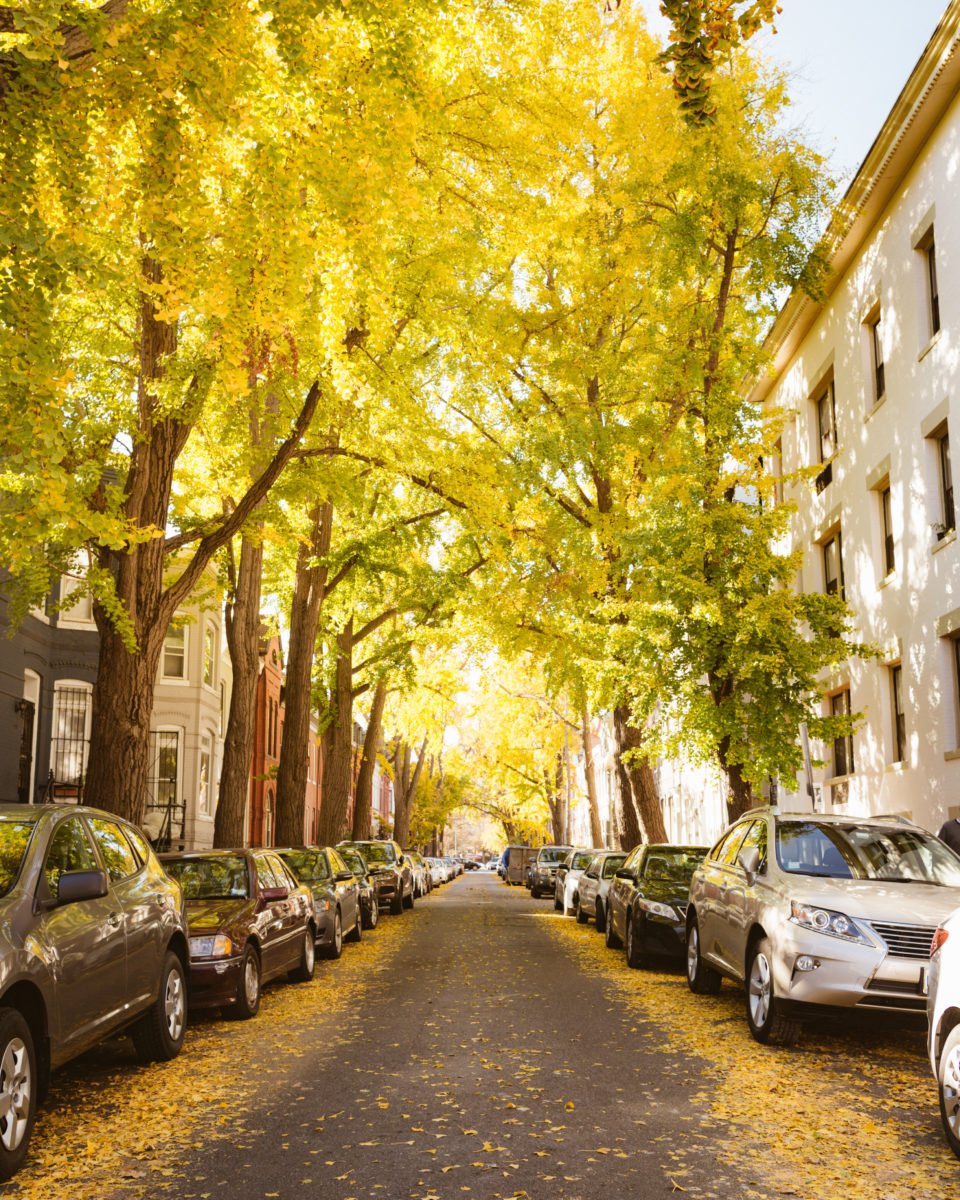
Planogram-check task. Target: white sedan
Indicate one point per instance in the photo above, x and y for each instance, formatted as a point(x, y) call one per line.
point(568, 878)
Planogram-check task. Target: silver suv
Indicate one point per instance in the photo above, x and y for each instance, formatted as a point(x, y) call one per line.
point(810, 910)
point(543, 872)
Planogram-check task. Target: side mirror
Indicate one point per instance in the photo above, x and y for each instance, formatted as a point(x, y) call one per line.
point(268, 895)
point(749, 860)
point(81, 885)
point(622, 874)
point(344, 877)
point(562, 867)
point(400, 861)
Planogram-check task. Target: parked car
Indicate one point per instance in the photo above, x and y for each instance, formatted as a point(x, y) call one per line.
point(818, 910)
point(336, 895)
point(369, 907)
point(250, 921)
point(594, 887)
point(421, 880)
point(516, 860)
point(93, 941)
point(471, 865)
point(390, 872)
point(543, 875)
point(648, 902)
point(565, 889)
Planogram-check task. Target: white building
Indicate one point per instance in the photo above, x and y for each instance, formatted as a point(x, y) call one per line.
point(870, 380)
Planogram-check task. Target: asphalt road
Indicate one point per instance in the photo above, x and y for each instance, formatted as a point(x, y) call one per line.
point(484, 1062)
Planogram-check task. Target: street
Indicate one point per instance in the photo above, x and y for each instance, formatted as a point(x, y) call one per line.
point(482, 1045)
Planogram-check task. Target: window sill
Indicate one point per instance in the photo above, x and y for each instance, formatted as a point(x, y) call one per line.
point(889, 578)
point(925, 350)
point(951, 755)
point(897, 768)
point(834, 779)
point(878, 404)
point(948, 537)
point(177, 682)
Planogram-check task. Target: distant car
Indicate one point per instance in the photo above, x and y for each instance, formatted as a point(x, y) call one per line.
point(650, 893)
point(251, 921)
point(336, 895)
point(93, 942)
point(543, 876)
point(595, 886)
point(390, 872)
point(565, 889)
point(471, 865)
point(421, 881)
point(369, 906)
point(943, 1030)
point(809, 910)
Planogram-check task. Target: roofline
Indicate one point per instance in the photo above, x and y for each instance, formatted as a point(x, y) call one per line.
point(931, 88)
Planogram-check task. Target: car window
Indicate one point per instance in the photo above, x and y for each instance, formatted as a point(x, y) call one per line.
point(379, 852)
point(265, 874)
point(308, 865)
point(118, 858)
point(14, 839)
point(282, 872)
point(139, 843)
point(337, 862)
point(219, 877)
point(612, 864)
point(69, 850)
point(552, 855)
point(733, 842)
point(672, 866)
point(854, 851)
point(580, 861)
point(756, 836)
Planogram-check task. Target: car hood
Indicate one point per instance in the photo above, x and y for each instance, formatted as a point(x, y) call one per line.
point(207, 916)
point(876, 900)
point(666, 891)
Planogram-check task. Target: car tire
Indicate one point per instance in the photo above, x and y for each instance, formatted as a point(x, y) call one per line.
point(356, 933)
point(535, 893)
point(582, 917)
point(610, 939)
point(372, 915)
point(396, 904)
point(768, 1025)
point(948, 1087)
point(408, 900)
point(158, 1035)
point(247, 1004)
point(18, 1088)
point(335, 949)
point(633, 946)
point(601, 918)
point(557, 904)
point(303, 971)
point(701, 979)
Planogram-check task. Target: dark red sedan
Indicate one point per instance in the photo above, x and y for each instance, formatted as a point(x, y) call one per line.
point(250, 921)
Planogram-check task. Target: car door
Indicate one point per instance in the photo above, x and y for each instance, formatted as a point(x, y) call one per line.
point(294, 910)
point(712, 881)
point(84, 944)
point(729, 895)
point(621, 888)
point(142, 907)
point(741, 897)
point(270, 918)
point(348, 891)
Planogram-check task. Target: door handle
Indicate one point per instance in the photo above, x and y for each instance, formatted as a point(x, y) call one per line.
point(113, 920)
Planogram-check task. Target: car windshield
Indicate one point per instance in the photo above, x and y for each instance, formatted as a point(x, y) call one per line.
point(582, 860)
point(673, 866)
point(309, 865)
point(219, 878)
point(553, 855)
point(612, 864)
point(378, 852)
point(897, 854)
point(14, 839)
point(353, 859)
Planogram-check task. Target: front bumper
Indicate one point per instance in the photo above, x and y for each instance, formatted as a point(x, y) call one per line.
point(214, 982)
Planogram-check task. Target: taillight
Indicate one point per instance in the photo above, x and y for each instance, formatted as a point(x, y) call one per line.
point(938, 939)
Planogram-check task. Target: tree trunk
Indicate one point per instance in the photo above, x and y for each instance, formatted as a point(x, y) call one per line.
point(405, 787)
point(629, 833)
point(640, 779)
point(589, 746)
point(741, 796)
point(308, 593)
point(363, 802)
point(338, 745)
point(243, 640)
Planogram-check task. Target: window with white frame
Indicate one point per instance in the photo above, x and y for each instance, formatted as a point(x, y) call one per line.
point(209, 655)
point(826, 416)
point(76, 605)
point(889, 548)
point(926, 247)
point(205, 778)
point(175, 653)
point(843, 743)
point(832, 549)
point(70, 741)
point(878, 383)
point(945, 473)
point(898, 714)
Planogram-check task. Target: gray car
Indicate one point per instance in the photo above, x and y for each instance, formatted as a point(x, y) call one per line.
point(336, 895)
point(809, 910)
point(543, 873)
point(93, 941)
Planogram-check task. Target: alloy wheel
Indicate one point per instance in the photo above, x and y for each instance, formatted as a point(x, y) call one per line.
point(760, 989)
point(15, 1087)
point(251, 980)
point(950, 1089)
point(174, 1005)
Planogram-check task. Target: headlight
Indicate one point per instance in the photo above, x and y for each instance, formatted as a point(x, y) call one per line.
point(211, 947)
point(825, 920)
point(321, 906)
point(656, 909)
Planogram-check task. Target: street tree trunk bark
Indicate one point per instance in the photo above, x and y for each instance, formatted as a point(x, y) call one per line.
point(640, 779)
point(589, 746)
point(405, 787)
point(243, 640)
point(308, 593)
point(338, 745)
point(363, 802)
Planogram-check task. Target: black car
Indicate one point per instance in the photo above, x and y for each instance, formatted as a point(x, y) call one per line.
point(336, 895)
point(369, 907)
point(390, 872)
point(647, 902)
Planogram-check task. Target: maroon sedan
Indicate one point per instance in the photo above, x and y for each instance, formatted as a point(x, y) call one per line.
point(250, 921)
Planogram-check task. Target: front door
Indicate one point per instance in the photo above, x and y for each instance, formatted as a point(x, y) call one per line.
point(28, 714)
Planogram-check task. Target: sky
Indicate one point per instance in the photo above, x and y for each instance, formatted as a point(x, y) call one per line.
point(848, 60)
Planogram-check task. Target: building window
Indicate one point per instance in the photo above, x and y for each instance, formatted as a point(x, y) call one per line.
point(205, 783)
point(826, 433)
point(76, 605)
point(947, 522)
point(899, 718)
point(927, 248)
point(71, 734)
point(175, 653)
point(843, 745)
point(875, 343)
point(268, 818)
point(165, 818)
point(886, 524)
point(209, 654)
point(833, 566)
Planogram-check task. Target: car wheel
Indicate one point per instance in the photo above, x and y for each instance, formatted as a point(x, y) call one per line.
point(408, 900)
point(601, 920)
point(372, 914)
point(610, 938)
point(633, 945)
point(356, 933)
point(335, 948)
point(303, 971)
point(948, 1085)
point(582, 917)
point(764, 1014)
point(247, 1003)
point(535, 893)
point(18, 1090)
point(158, 1035)
point(557, 904)
point(701, 979)
point(396, 904)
